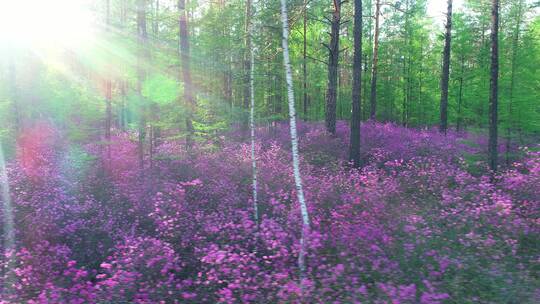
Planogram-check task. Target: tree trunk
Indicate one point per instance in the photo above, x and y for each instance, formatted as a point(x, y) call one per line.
point(356, 116)
point(304, 63)
point(142, 37)
point(333, 61)
point(123, 117)
point(186, 71)
point(510, 122)
point(460, 96)
point(493, 86)
point(445, 74)
point(227, 73)
point(108, 92)
point(278, 95)
point(407, 67)
point(364, 89)
point(108, 121)
point(247, 64)
point(155, 130)
point(228, 84)
point(251, 87)
point(14, 96)
point(373, 96)
point(404, 104)
point(123, 13)
point(155, 24)
point(8, 232)
point(367, 58)
point(294, 144)
point(409, 91)
point(422, 118)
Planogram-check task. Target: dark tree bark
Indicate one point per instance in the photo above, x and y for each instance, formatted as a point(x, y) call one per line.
point(333, 62)
point(445, 74)
point(354, 153)
point(493, 87)
point(186, 70)
point(373, 96)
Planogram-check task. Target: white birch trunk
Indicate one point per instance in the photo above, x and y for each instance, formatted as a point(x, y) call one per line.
point(9, 233)
point(294, 141)
point(252, 126)
point(7, 211)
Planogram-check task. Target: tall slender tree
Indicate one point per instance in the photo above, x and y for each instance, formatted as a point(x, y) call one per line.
point(333, 62)
point(494, 86)
point(247, 58)
point(252, 120)
point(459, 120)
point(14, 95)
point(304, 62)
point(142, 38)
point(8, 229)
point(513, 63)
point(189, 99)
point(108, 89)
point(155, 23)
point(294, 142)
point(374, 63)
point(354, 153)
point(445, 74)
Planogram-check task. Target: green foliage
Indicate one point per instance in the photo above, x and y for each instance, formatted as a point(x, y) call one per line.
point(67, 87)
point(161, 89)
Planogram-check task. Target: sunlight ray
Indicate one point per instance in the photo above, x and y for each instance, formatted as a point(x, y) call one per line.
point(7, 219)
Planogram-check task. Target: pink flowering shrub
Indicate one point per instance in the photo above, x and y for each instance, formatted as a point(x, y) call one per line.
point(141, 270)
point(418, 223)
point(45, 274)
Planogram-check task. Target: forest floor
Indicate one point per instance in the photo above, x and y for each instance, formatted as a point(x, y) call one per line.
point(421, 222)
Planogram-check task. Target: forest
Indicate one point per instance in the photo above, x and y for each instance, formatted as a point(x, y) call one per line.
point(270, 151)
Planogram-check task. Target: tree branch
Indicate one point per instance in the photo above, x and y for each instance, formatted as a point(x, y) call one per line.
point(315, 59)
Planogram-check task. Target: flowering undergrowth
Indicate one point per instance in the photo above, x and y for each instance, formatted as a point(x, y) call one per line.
point(417, 224)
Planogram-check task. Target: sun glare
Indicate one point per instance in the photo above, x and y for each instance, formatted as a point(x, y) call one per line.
point(40, 23)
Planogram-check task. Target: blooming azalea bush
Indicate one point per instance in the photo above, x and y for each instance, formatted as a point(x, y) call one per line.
point(141, 270)
point(418, 223)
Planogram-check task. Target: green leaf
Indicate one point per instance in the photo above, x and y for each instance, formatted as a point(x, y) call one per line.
point(161, 89)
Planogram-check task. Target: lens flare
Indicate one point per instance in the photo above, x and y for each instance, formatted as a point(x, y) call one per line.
point(38, 23)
